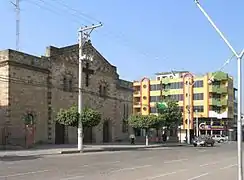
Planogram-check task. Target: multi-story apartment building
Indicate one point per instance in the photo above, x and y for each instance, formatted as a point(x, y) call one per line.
point(211, 102)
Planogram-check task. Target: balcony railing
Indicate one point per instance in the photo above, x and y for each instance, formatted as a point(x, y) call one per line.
point(137, 103)
point(215, 102)
point(218, 89)
point(136, 93)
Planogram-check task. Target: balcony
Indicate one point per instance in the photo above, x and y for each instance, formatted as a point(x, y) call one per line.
point(218, 89)
point(215, 102)
point(166, 92)
point(137, 104)
point(136, 93)
point(224, 102)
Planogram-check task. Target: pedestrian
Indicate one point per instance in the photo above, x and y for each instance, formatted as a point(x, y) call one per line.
point(132, 138)
point(164, 137)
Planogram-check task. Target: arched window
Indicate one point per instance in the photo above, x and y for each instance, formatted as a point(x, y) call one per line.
point(70, 85)
point(65, 84)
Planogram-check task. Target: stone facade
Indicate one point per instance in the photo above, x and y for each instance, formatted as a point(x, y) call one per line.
point(43, 85)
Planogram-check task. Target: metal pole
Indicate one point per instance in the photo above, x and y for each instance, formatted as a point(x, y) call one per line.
point(82, 37)
point(189, 114)
point(239, 125)
point(80, 128)
point(197, 124)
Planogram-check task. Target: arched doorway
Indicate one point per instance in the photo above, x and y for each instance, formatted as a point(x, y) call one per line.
point(106, 131)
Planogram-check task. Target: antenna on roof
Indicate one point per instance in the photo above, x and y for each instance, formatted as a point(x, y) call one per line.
point(17, 9)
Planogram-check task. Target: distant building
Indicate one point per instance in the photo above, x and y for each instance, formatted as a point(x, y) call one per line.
point(212, 103)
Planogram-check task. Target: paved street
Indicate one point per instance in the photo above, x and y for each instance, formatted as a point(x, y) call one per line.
point(167, 163)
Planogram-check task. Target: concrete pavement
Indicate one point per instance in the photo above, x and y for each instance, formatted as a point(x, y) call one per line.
point(67, 149)
point(167, 163)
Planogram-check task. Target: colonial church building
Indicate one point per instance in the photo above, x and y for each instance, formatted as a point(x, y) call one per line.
point(40, 86)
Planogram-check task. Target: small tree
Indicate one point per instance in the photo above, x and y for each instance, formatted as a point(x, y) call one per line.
point(171, 114)
point(144, 122)
point(70, 117)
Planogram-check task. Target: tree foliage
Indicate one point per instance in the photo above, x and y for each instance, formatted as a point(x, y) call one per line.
point(172, 114)
point(70, 117)
point(144, 121)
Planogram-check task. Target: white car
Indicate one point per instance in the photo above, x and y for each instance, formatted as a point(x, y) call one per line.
point(220, 138)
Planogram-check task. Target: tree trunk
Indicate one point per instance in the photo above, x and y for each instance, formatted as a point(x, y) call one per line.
point(146, 137)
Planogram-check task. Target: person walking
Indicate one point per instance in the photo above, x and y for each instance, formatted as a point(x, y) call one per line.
point(132, 138)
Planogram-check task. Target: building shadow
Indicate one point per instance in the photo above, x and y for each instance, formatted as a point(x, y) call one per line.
point(18, 158)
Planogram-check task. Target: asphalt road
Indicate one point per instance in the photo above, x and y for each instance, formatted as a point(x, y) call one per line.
point(185, 163)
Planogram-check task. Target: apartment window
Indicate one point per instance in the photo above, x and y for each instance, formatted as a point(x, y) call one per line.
point(155, 87)
point(198, 84)
point(154, 98)
point(153, 110)
point(176, 85)
point(215, 108)
point(216, 96)
point(181, 108)
point(216, 83)
point(176, 97)
point(198, 108)
point(198, 96)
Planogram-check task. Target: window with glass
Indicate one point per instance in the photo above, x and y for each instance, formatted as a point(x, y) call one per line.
point(198, 84)
point(198, 108)
point(198, 96)
point(153, 110)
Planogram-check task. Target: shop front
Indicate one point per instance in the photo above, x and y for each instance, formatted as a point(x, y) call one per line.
point(205, 129)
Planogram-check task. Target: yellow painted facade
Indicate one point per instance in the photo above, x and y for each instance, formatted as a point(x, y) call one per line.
point(205, 100)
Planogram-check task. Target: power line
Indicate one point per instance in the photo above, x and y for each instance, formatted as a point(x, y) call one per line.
point(81, 15)
point(52, 10)
point(76, 11)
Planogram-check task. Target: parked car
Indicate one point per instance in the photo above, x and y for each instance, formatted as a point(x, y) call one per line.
point(220, 138)
point(203, 141)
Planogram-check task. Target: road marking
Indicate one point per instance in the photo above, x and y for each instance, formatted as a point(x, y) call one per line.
point(196, 177)
point(227, 167)
point(23, 174)
point(74, 177)
point(201, 151)
point(132, 168)
point(163, 175)
point(98, 164)
point(177, 160)
point(208, 164)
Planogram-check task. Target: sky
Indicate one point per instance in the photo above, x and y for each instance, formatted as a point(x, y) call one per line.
point(139, 37)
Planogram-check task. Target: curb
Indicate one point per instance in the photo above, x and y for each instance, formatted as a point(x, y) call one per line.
point(117, 149)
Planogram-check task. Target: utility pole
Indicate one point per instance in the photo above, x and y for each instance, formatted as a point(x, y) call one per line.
point(17, 9)
point(190, 106)
point(84, 34)
point(239, 64)
point(189, 113)
point(197, 124)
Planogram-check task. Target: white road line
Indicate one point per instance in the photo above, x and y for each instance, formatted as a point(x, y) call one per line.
point(23, 174)
point(196, 177)
point(128, 169)
point(74, 177)
point(227, 167)
point(163, 175)
point(208, 164)
point(177, 160)
point(99, 164)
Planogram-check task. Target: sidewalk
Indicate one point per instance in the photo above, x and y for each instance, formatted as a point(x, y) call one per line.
point(68, 149)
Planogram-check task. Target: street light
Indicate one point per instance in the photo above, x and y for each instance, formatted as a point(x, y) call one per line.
point(239, 57)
